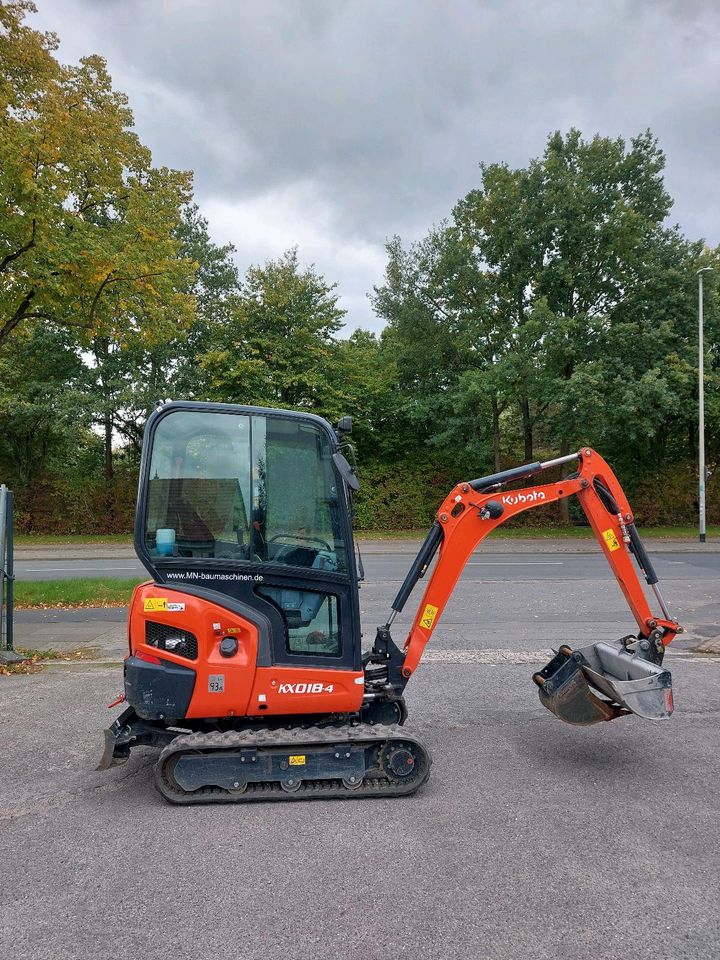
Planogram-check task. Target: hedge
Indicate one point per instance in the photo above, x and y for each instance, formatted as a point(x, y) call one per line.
point(400, 495)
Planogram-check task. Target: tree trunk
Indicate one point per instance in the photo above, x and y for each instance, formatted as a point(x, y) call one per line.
point(108, 424)
point(24, 308)
point(527, 428)
point(496, 433)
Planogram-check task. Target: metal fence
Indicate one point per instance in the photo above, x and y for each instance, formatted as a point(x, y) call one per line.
point(7, 577)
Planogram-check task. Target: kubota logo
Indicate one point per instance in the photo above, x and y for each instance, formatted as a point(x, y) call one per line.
point(305, 688)
point(510, 500)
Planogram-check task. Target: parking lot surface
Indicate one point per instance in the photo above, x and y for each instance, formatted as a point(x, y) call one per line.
point(531, 839)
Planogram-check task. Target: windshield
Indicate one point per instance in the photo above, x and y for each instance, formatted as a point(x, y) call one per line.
point(252, 488)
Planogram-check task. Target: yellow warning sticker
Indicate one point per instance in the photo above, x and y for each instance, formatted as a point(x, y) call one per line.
point(611, 540)
point(428, 617)
point(153, 604)
point(298, 760)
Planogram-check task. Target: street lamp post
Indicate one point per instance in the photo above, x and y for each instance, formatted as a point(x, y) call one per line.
point(701, 407)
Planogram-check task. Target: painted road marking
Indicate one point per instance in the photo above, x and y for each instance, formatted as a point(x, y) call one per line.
point(511, 657)
point(515, 563)
point(488, 656)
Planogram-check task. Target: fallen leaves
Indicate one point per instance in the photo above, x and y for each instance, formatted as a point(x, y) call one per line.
point(36, 659)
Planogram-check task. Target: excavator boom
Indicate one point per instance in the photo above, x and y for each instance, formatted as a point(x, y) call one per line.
point(600, 681)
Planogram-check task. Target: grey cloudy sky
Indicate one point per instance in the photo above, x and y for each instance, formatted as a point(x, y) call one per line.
point(333, 124)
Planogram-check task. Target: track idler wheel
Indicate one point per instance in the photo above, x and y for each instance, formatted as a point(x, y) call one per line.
point(398, 761)
point(352, 783)
point(238, 789)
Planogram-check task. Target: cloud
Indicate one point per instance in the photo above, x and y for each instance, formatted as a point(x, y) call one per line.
point(265, 224)
point(332, 124)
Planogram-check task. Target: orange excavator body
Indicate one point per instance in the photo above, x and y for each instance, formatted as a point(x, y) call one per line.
point(246, 690)
point(245, 663)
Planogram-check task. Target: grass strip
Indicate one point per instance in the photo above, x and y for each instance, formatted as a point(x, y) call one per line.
point(43, 539)
point(415, 533)
point(544, 533)
point(80, 592)
point(77, 653)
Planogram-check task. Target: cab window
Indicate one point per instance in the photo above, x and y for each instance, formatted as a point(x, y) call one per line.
point(254, 488)
point(312, 625)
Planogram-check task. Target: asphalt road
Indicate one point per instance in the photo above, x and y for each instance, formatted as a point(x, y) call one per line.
point(531, 840)
point(386, 567)
point(526, 601)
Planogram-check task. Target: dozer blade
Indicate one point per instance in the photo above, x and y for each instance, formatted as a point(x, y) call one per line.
point(118, 737)
point(604, 681)
point(108, 758)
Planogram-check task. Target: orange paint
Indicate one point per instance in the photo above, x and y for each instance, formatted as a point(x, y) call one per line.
point(286, 690)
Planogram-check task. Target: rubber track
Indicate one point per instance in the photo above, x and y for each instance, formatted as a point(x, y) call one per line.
point(374, 785)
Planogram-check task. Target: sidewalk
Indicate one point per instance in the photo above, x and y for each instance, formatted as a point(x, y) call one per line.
point(522, 545)
point(66, 630)
point(74, 551)
point(105, 631)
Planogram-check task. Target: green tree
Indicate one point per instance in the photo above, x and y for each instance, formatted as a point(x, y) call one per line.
point(567, 238)
point(554, 308)
point(278, 346)
point(87, 227)
point(216, 285)
point(368, 375)
point(127, 377)
point(447, 334)
point(41, 412)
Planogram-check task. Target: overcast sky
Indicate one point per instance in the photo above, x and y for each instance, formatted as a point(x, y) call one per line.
point(333, 124)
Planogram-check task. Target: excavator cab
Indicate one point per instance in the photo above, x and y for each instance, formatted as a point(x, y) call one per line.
point(253, 505)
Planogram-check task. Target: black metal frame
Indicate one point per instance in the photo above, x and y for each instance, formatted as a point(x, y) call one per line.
point(7, 575)
point(129, 730)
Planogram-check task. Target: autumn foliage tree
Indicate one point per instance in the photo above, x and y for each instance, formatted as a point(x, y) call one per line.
point(87, 224)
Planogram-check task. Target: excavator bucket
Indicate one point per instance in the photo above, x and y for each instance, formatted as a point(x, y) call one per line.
point(604, 681)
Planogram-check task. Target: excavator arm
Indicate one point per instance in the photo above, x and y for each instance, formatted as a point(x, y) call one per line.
point(597, 682)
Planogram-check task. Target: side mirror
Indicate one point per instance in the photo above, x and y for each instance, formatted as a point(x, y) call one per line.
point(344, 425)
point(345, 470)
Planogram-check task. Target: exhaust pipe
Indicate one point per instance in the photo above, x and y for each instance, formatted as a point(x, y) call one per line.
point(604, 681)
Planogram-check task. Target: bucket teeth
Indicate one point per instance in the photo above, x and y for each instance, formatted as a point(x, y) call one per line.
point(604, 681)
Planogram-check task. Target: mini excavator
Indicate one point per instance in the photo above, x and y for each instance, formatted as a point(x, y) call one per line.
point(245, 663)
